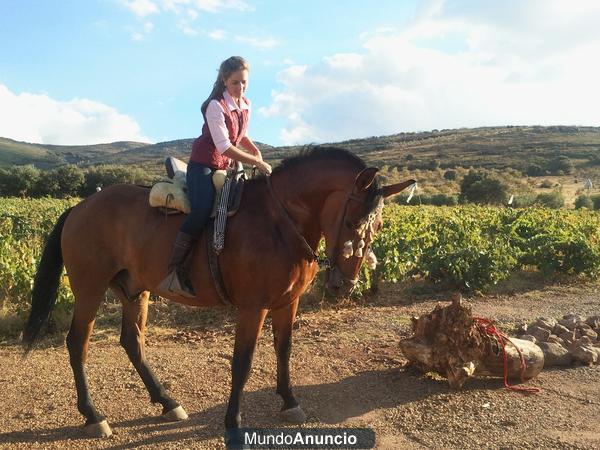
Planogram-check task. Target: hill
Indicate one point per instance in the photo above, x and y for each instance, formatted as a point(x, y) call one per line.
point(498, 148)
point(562, 157)
point(50, 156)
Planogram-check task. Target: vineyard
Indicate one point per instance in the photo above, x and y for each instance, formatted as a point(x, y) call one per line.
point(466, 247)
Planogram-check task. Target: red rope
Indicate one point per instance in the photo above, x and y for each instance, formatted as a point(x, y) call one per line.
point(488, 327)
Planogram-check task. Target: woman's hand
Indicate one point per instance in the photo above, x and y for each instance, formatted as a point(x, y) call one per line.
point(263, 167)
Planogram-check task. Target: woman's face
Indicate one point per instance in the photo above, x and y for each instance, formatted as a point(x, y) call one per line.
point(236, 83)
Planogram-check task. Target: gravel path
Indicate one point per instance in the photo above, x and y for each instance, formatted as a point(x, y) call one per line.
point(346, 369)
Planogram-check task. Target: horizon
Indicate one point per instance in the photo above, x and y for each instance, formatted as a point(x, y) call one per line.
point(435, 130)
point(138, 70)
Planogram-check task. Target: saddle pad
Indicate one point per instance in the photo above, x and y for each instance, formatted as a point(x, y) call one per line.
point(172, 195)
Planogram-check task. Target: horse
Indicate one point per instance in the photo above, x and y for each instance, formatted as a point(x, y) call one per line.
point(114, 240)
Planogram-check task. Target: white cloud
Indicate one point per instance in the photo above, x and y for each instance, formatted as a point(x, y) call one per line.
point(186, 13)
point(217, 35)
point(459, 63)
point(192, 14)
point(189, 8)
point(186, 28)
point(139, 33)
point(38, 118)
point(257, 42)
point(220, 5)
point(141, 8)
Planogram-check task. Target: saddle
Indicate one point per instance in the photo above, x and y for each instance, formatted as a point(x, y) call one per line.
point(170, 196)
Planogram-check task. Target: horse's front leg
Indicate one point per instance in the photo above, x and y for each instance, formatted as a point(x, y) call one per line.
point(249, 324)
point(283, 321)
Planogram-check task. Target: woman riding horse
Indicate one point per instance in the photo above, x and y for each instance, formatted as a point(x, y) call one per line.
point(114, 239)
point(226, 114)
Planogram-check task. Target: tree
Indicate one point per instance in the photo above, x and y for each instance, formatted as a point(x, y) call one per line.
point(433, 164)
point(18, 181)
point(561, 164)
point(46, 185)
point(479, 187)
point(535, 171)
point(103, 176)
point(450, 175)
point(70, 179)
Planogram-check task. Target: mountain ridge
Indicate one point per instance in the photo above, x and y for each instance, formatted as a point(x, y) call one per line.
point(485, 147)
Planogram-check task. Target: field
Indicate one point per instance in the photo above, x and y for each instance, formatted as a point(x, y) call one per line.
point(346, 368)
point(514, 264)
point(466, 247)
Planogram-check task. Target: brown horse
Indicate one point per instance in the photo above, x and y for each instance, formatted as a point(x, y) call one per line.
point(114, 239)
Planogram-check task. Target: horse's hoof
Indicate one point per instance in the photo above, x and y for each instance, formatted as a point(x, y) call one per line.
point(293, 415)
point(177, 414)
point(98, 430)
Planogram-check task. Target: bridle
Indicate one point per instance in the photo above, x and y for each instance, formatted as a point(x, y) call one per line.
point(326, 262)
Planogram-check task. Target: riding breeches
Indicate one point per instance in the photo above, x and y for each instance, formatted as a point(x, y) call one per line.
point(201, 192)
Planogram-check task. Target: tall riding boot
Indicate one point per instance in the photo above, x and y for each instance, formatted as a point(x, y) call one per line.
point(178, 281)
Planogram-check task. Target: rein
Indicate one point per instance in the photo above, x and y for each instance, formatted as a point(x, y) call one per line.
point(309, 251)
point(323, 262)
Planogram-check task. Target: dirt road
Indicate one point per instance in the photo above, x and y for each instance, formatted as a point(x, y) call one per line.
point(346, 369)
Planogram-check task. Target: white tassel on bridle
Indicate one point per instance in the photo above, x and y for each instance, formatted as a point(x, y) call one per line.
point(359, 252)
point(371, 260)
point(348, 250)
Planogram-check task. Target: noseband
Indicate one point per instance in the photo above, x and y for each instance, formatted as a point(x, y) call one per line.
point(312, 254)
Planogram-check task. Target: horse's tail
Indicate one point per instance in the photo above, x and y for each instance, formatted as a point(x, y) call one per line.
point(45, 285)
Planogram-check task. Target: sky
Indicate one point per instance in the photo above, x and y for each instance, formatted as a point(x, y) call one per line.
point(78, 72)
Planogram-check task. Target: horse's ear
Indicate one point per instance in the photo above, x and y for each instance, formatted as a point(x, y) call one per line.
point(365, 178)
point(393, 189)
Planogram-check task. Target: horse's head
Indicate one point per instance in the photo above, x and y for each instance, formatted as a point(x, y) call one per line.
point(350, 220)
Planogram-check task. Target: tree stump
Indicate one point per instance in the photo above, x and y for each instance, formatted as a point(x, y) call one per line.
point(450, 342)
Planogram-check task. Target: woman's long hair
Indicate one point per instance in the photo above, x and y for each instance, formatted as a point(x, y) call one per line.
point(229, 66)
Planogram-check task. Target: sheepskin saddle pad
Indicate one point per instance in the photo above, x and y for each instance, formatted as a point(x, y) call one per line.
point(170, 196)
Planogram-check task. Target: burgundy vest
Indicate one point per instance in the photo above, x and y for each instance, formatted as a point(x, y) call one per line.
point(203, 148)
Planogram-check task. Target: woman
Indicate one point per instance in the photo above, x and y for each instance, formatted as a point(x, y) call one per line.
point(226, 114)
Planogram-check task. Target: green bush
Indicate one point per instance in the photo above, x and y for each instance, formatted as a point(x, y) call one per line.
point(554, 200)
point(535, 171)
point(450, 175)
point(596, 201)
point(481, 188)
point(524, 201)
point(584, 201)
point(561, 165)
point(24, 225)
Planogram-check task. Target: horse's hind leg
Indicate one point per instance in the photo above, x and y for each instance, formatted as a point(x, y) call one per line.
point(133, 328)
point(84, 315)
point(282, 321)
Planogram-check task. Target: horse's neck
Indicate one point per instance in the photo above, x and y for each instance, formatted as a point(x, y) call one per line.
point(304, 194)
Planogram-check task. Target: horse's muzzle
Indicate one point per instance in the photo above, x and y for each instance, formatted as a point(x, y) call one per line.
point(337, 284)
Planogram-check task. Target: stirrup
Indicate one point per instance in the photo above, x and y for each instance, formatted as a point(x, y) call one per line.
point(173, 284)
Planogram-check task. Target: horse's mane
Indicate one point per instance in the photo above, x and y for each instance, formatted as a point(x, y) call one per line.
point(316, 153)
point(319, 153)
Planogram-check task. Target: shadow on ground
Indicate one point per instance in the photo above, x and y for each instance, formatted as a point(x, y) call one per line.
point(327, 404)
